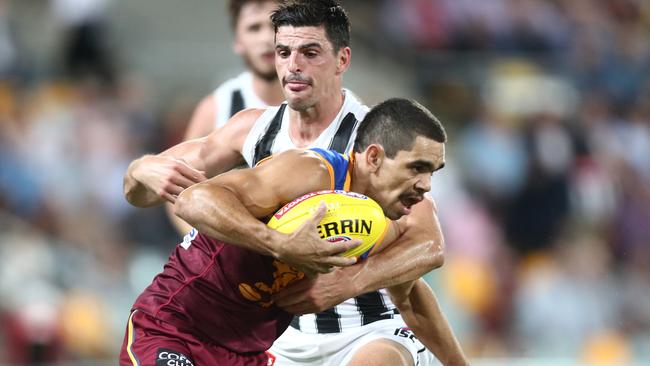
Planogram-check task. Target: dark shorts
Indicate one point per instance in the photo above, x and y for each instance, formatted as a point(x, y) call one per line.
point(150, 342)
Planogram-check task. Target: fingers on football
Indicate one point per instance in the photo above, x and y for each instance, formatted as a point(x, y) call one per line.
point(340, 247)
point(315, 219)
point(319, 214)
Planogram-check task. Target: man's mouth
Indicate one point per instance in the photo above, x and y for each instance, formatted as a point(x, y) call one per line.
point(409, 201)
point(296, 83)
point(297, 86)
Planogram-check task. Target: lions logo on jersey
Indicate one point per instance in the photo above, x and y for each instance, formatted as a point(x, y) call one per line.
point(283, 276)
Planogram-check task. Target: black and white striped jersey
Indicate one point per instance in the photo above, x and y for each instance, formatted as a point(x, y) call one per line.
point(234, 95)
point(270, 135)
point(350, 314)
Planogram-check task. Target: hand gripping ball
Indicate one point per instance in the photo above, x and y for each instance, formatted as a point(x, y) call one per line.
point(349, 216)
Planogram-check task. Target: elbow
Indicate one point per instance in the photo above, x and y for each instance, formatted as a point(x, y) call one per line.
point(438, 260)
point(130, 193)
point(131, 200)
point(134, 191)
point(436, 255)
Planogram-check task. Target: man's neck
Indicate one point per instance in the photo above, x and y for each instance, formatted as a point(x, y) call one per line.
point(358, 176)
point(269, 91)
point(306, 125)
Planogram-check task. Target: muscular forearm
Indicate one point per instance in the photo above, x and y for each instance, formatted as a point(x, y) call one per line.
point(135, 192)
point(399, 263)
point(421, 312)
point(218, 213)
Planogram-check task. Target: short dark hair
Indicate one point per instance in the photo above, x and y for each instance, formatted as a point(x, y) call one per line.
point(235, 7)
point(316, 13)
point(395, 123)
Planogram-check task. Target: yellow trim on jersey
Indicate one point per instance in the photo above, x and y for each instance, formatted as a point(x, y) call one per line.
point(348, 175)
point(130, 340)
point(330, 170)
point(264, 160)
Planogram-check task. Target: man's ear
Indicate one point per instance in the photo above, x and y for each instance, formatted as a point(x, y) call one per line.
point(344, 55)
point(375, 156)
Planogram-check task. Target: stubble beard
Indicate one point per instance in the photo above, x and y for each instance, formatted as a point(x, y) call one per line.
point(268, 76)
point(300, 105)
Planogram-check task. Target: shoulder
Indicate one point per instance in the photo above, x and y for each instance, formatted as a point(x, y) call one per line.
point(236, 129)
point(302, 162)
point(249, 114)
point(299, 157)
point(231, 84)
point(299, 171)
point(244, 120)
point(354, 105)
point(207, 106)
point(332, 157)
point(202, 122)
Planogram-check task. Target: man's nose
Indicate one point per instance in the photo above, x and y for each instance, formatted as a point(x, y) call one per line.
point(294, 63)
point(423, 184)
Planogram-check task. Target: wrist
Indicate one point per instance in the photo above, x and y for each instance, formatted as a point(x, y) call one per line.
point(353, 277)
point(274, 243)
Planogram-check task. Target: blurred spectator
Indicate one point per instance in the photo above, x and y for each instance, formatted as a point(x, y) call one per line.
point(29, 301)
point(541, 208)
point(8, 48)
point(418, 23)
point(493, 159)
point(564, 298)
point(86, 50)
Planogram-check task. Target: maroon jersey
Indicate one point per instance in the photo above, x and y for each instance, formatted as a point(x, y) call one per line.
point(220, 293)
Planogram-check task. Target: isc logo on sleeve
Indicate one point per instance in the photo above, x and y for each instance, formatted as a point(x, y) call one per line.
point(187, 239)
point(167, 357)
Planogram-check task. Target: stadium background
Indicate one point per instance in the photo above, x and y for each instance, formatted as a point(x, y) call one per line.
point(545, 200)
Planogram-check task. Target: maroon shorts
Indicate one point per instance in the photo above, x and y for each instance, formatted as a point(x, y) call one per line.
point(150, 342)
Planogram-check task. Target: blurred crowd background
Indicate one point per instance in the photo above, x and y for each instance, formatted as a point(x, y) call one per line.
point(544, 202)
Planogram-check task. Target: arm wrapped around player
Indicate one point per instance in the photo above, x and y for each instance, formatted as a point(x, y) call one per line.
point(422, 314)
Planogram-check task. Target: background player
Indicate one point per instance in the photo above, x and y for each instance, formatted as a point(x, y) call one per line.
point(257, 87)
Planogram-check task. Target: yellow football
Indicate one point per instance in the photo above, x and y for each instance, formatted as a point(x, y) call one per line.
point(349, 216)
